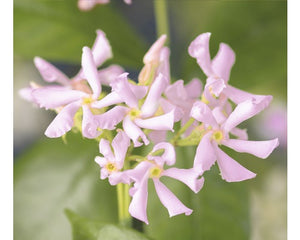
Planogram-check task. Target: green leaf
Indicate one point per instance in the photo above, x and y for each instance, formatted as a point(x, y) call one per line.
point(86, 229)
point(52, 176)
point(57, 31)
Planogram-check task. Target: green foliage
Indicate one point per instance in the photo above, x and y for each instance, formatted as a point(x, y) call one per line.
point(86, 229)
point(57, 31)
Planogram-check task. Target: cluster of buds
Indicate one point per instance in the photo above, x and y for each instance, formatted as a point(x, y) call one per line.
point(153, 111)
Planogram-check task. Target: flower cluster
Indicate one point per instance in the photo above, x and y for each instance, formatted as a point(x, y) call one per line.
point(155, 112)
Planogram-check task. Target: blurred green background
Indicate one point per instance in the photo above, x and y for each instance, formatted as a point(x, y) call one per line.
point(50, 176)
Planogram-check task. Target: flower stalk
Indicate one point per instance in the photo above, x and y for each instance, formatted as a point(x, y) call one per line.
point(161, 18)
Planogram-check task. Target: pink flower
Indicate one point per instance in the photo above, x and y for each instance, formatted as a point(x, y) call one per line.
point(68, 101)
point(112, 162)
point(143, 115)
point(217, 89)
point(153, 168)
point(86, 5)
point(217, 128)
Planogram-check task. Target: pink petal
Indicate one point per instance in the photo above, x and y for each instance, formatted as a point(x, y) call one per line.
point(64, 121)
point(176, 92)
point(216, 85)
point(168, 107)
point(239, 96)
point(26, 94)
point(118, 177)
point(55, 96)
point(101, 161)
point(194, 88)
point(169, 200)
point(49, 72)
point(244, 111)
point(122, 88)
point(152, 101)
point(89, 123)
point(169, 155)
point(231, 170)
point(202, 113)
point(199, 49)
point(240, 133)
point(158, 136)
point(134, 132)
point(218, 113)
point(111, 118)
point(120, 145)
point(105, 150)
point(110, 99)
point(101, 49)
point(109, 74)
point(153, 53)
point(162, 122)
point(104, 173)
point(223, 61)
point(261, 149)
point(138, 205)
point(137, 174)
point(187, 176)
point(164, 65)
point(205, 154)
point(138, 91)
point(90, 71)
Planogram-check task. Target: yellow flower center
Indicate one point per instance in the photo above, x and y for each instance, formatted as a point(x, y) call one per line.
point(87, 100)
point(134, 113)
point(218, 136)
point(155, 172)
point(111, 167)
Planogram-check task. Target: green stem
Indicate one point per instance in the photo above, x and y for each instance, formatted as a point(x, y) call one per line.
point(120, 202)
point(161, 18)
point(182, 130)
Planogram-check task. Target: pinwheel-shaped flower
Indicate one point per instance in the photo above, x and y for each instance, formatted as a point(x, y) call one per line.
point(217, 128)
point(217, 89)
point(142, 114)
point(153, 168)
point(112, 162)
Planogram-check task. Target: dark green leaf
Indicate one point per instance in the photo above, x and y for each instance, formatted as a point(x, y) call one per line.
point(57, 30)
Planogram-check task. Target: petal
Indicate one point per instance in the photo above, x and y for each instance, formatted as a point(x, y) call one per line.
point(199, 49)
point(152, 101)
point(111, 118)
point(169, 200)
point(168, 107)
point(137, 174)
point(120, 145)
point(110, 99)
point(157, 136)
point(176, 92)
point(218, 113)
point(101, 49)
point(205, 154)
point(202, 113)
point(187, 176)
point(138, 205)
point(240, 133)
point(261, 149)
point(101, 161)
point(109, 74)
point(84, 5)
point(89, 123)
point(90, 71)
point(105, 150)
point(215, 85)
point(118, 177)
point(55, 96)
point(232, 171)
point(122, 88)
point(223, 61)
point(239, 96)
point(134, 132)
point(138, 91)
point(26, 94)
point(244, 111)
point(194, 88)
point(164, 65)
point(49, 72)
point(169, 155)
point(104, 173)
point(64, 121)
point(162, 122)
point(153, 53)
